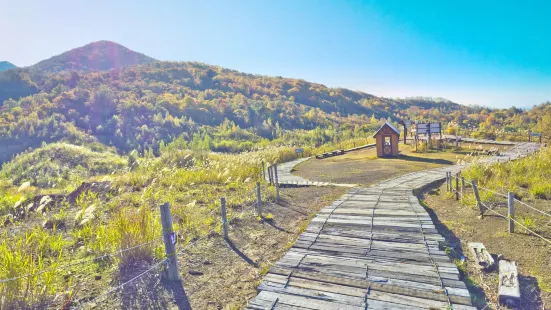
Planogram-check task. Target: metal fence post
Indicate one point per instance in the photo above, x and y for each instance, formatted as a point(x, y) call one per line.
point(477, 196)
point(511, 211)
point(169, 238)
point(258, 199)
point(224, 217)
point(263, 171)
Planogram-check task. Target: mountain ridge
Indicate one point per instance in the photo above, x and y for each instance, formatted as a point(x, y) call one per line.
point(100, 55)
point(6, 65)
point(148, 105)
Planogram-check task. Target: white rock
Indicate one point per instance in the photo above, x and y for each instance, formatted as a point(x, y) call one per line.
point(24, 186)
point(88, 215)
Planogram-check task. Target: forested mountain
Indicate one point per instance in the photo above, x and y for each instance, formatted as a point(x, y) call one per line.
point(5, 65)
point(101, 55)
point(148, 105)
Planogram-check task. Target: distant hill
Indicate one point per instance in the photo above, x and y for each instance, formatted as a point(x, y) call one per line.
point(101, 55)
point(106, 94)
point(96, 56)
point(5, 65)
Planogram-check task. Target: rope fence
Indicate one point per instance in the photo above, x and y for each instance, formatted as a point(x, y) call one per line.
point(461, 184)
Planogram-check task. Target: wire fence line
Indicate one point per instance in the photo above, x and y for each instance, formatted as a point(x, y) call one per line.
point(156, 265)
point(80, 261)
point(518, 223)
point(499, 194)
point(246, 206)
point(241, 202)
point(116, 288)
point(488, 208)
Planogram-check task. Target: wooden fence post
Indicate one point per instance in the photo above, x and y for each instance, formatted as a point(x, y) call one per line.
point(450, 180)
point(447, 182)
point(224, 217)
point(258, 199)
point(270, 175)
point(263, 171)
point(511, 211)
point(477, 196)
point(169, 238)
point(276, 183)
point(462, 188)
point(457, 186)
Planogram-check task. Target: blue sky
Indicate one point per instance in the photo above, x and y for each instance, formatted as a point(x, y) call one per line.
point(494, 53)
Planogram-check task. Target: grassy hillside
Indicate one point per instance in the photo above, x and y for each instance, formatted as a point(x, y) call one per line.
point(145, 106)
point(55, 164)
point(192, 182)
point(132, 102)
point(527, 177)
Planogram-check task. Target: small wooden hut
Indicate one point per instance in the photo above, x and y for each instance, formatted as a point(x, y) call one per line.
point(387, 139)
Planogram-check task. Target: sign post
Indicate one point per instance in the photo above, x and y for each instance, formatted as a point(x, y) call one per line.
point(299, 151)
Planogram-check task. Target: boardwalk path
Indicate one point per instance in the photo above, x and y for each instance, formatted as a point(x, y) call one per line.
point(374, 248)
point(286, 178)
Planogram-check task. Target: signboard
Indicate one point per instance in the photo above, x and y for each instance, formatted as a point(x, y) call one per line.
point(422, 129)
point(299, 150)
point(435, 128)
point(426, 128)
point(535, 134)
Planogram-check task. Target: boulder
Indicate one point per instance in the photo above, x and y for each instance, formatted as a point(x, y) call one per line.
point(24, 186)
point(48, 224)
point(18, 203)
point(43, 204)
point(30, 207)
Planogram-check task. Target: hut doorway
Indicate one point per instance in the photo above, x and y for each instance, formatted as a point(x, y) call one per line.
point(387, 146)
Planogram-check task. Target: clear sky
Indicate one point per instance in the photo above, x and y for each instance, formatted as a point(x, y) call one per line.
point(494, 53)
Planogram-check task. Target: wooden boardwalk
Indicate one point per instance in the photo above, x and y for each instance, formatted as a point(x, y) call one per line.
point(374, 248)
point(287, 179)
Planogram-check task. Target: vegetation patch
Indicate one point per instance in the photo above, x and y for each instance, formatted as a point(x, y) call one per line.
point(57, 164)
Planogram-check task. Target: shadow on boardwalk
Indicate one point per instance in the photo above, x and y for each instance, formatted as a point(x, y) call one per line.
point(425, 160)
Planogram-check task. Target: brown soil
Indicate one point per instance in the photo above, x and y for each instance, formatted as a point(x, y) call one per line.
point(220, 274)
point(460, 224)
point(365, 168)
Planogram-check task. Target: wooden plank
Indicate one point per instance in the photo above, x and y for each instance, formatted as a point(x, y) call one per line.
point(304, 302)
point(509, 289)
point(414, 291)
point(484, 260)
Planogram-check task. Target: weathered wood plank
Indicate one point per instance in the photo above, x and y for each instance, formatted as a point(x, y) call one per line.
point(483, 258)
point(509, 289)
point(433, 293)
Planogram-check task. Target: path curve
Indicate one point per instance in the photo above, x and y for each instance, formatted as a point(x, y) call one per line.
point(286, 178)
point(374, 248)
